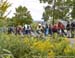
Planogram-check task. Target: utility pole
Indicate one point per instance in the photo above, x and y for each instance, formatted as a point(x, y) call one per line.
point(54, 1)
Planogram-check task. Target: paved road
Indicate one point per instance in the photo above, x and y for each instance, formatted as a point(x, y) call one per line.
point(72, 40)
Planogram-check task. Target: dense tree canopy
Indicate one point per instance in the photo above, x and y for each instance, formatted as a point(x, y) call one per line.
point(22, 16)
point(57, 9)
point(73, 11)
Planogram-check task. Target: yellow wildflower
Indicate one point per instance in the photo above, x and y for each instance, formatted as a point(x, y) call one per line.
point(51, 54)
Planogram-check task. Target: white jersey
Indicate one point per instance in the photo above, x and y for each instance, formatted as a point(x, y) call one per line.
point(25, 26)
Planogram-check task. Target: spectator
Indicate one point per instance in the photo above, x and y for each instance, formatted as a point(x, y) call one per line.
point(39, 28)
point(68, 27)
point(55, 28)
point(61, 28)
point(50, 29)
point(46, 30)
point(11, 29)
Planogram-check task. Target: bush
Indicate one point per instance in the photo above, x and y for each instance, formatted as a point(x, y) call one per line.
point(28, 47)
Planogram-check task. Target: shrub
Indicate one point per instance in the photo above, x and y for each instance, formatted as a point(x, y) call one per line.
point(28, 47)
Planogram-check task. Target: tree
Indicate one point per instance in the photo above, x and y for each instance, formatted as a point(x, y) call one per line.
point(73, 11)
point(22, 16)
point(4, 5)
point(56, 9)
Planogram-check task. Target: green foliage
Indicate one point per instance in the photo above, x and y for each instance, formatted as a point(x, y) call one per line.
point(44, 1)
point(4, 5)
point(22, 16)
point(58, 10)
point(10, 22)
point(22, 47)
point(34, 25)
point(73, 11)
point(4, 53)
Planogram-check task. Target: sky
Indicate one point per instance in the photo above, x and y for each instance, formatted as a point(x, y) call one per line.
point(34, 6)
